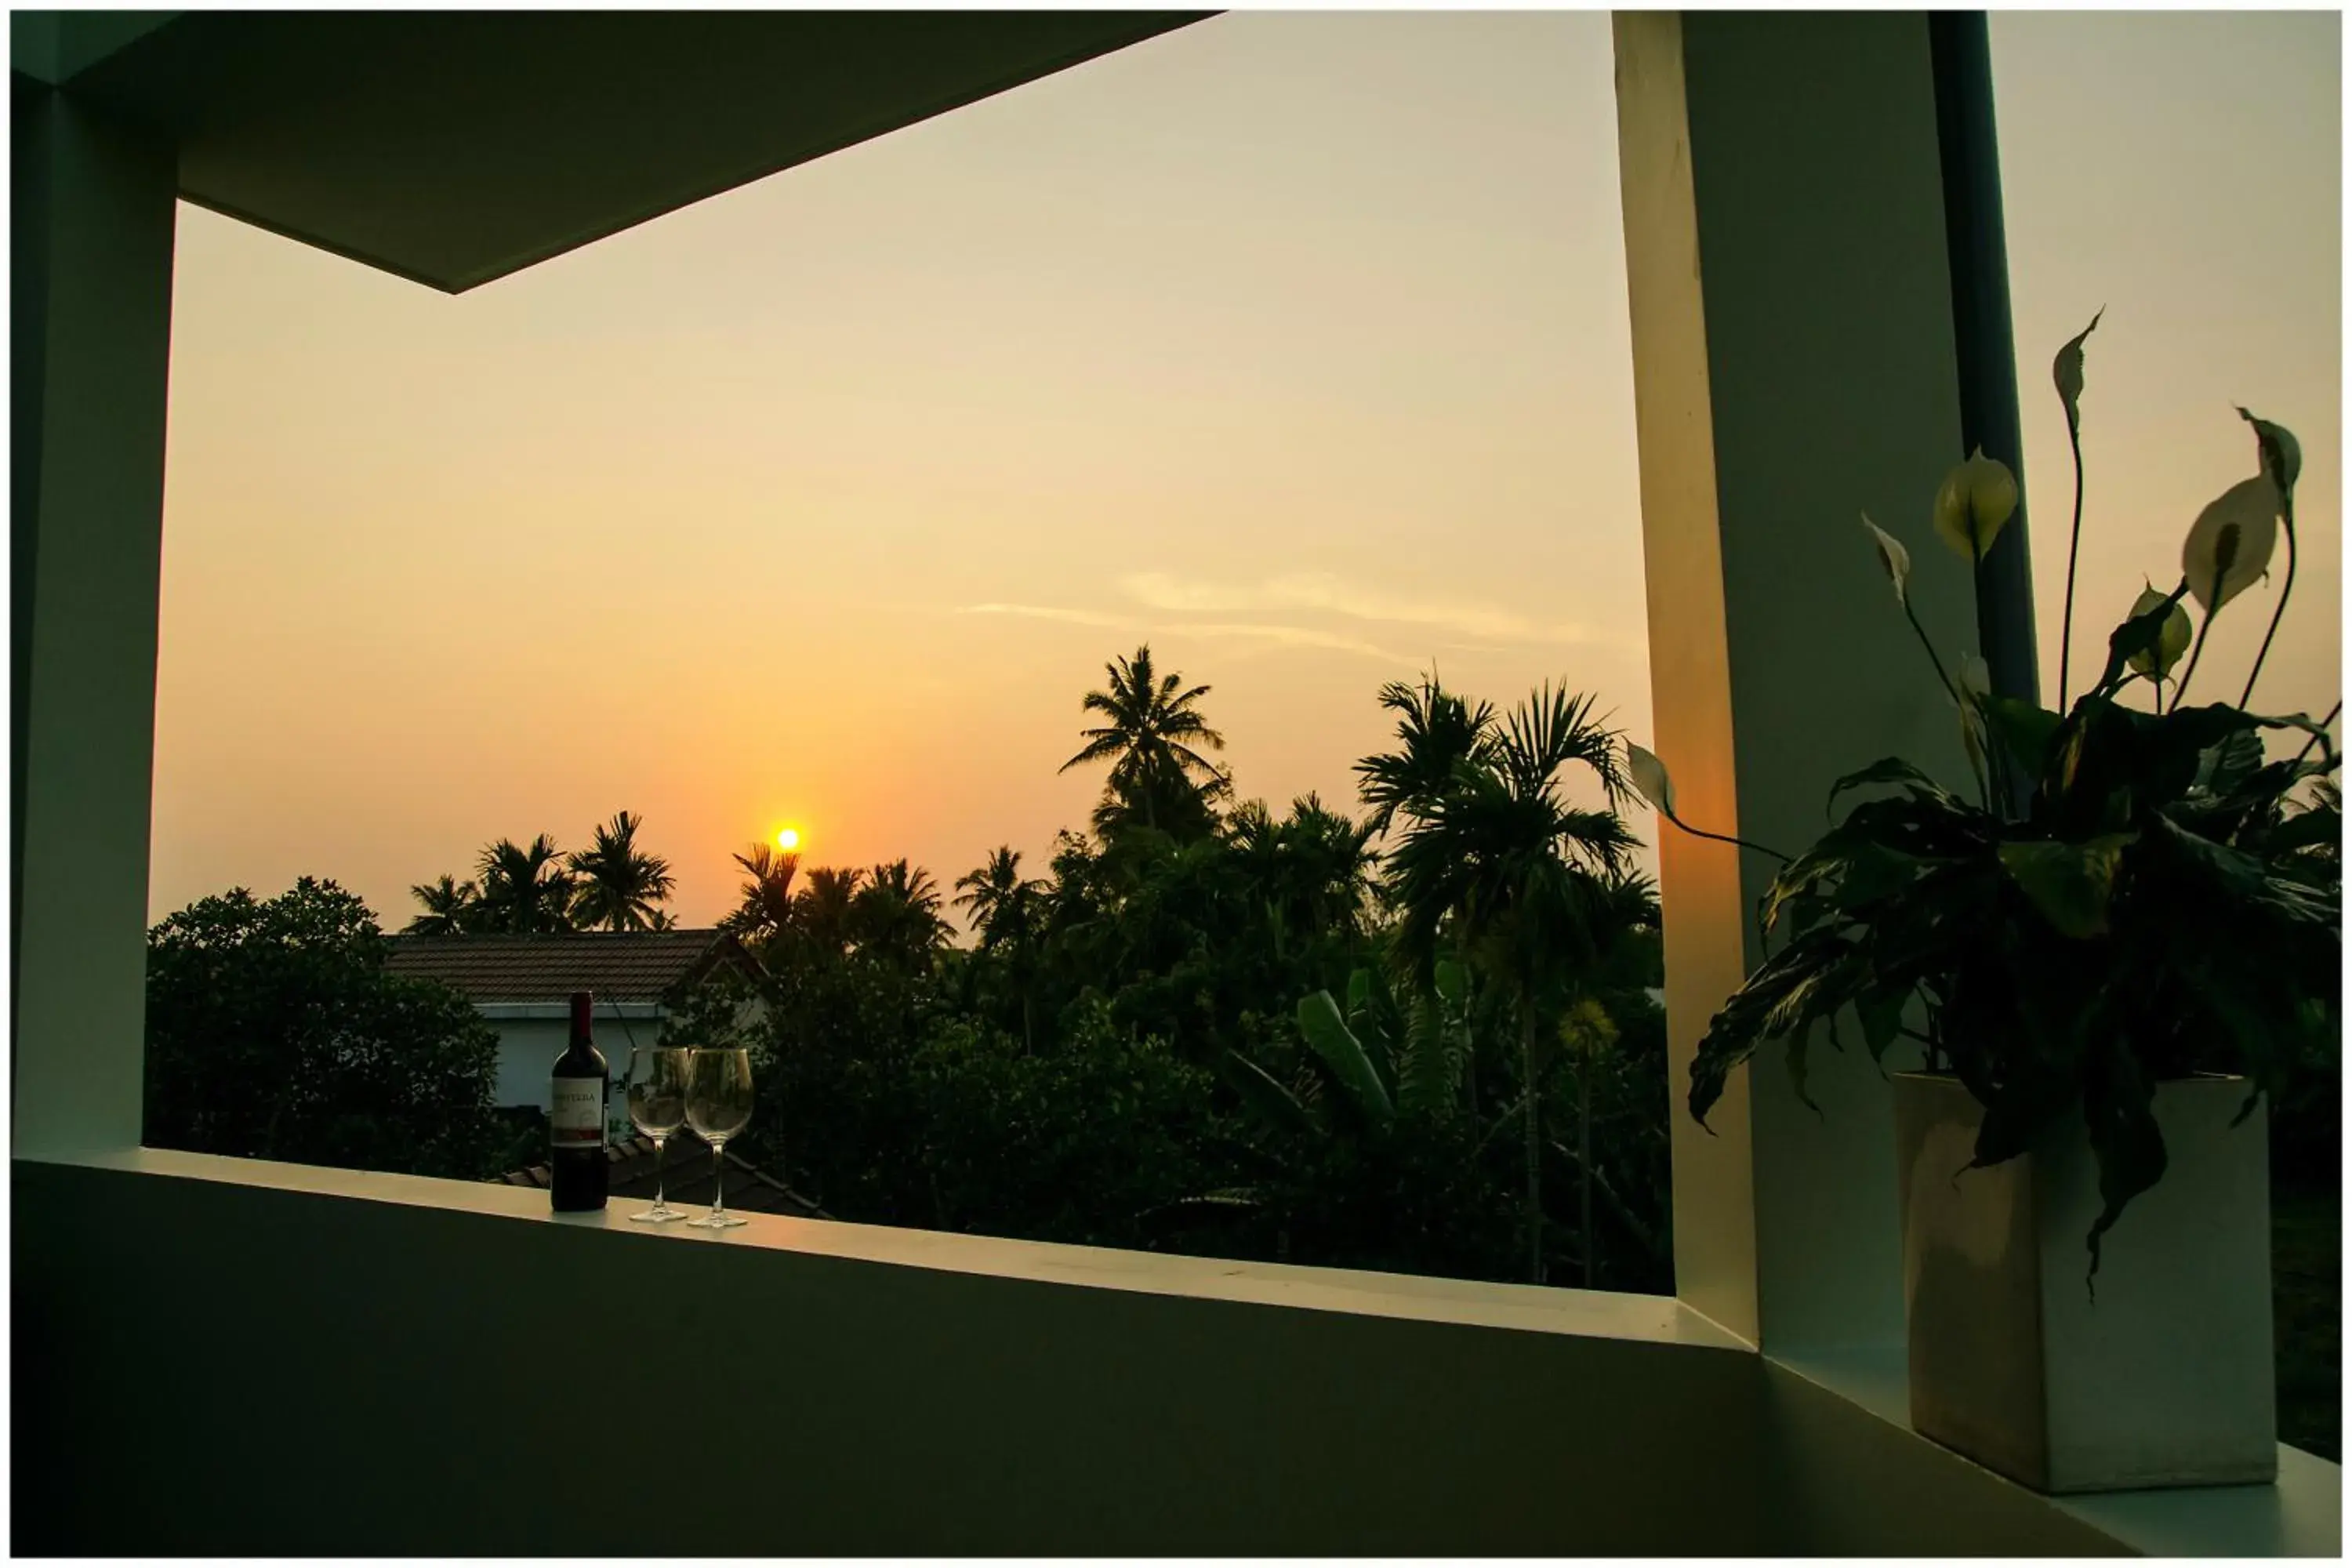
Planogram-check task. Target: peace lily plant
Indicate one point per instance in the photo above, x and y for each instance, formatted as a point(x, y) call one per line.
point(2138, 892)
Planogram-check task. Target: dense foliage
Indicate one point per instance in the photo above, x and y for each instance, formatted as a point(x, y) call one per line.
point(273, 1033)
point(1137, 1048)
point(2137, 894)
point(535, 887)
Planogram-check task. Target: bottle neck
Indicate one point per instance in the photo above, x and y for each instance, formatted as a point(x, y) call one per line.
point(583, 1003)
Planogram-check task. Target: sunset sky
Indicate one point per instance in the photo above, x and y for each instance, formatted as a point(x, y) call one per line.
point(1293, 343)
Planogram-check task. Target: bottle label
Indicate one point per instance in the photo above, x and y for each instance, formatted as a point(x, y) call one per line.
point(575, 1117)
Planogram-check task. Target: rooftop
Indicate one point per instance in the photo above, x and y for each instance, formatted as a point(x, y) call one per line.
point(618, 966)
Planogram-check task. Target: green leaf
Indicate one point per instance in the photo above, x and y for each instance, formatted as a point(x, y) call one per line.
point(1452, 981)
point(2025, 728)
point(1425, 1080)
point(1360, 989)
point(1327, 1036)
point(1274, 1104)
point(1876, 872)
point(2070, 884)
point(2321, 824)
point(1888, 770)
point(2136, 635)
point(1881, 1012)
point(1795, 1049)
point(2119, 1108)
point(2222, 768)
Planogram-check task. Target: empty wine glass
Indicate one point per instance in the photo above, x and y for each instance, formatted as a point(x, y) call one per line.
point(658, 1105)
point(718, 1104)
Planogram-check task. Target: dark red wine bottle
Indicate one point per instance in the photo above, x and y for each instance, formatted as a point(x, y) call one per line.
point(578, 1171)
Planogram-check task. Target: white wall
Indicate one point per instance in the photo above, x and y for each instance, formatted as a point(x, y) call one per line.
point(531, 1035)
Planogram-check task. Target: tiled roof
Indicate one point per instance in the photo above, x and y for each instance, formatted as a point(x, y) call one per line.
point(618, 966)
point(687, 1179)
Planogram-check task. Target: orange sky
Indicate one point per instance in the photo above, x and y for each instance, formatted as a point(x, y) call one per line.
point(1294, 342)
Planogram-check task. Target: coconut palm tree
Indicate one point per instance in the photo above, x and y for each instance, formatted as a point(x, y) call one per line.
point(896, 915)
point(526, 889)
point(1524, 879)
point(451, 908)
point(823, 911)
point(767, 906)
point(621, 886)
point(1151, 729)
point(1008, 914)
point(997, 897)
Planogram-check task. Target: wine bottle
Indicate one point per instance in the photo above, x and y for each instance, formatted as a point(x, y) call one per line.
point(578, 1171)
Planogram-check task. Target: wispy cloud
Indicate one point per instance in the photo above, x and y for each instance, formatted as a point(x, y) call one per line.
point(1293, 637)
point(1047, 613)
point(1270, 635)
point(1323, 592)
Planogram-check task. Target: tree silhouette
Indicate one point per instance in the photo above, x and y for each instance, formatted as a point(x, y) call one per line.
point(1008, 914)
point(1151, 727)
point(896, 915)
point(1525, 879)
point(525, 890)
point(767, 905)
point(1438, 734)
point(451, 908)
point(621, 886)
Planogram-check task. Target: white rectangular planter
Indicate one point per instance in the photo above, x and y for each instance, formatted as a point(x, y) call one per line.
point(2166, 1379)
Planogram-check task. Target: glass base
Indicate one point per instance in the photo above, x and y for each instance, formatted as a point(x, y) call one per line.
point(715, 1221)
point(660, 1213)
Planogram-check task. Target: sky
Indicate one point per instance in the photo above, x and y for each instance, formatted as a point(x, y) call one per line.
point(1293, 343)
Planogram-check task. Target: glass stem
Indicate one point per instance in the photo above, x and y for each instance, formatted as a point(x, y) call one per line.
point(718, 1180)
point(658, 1204)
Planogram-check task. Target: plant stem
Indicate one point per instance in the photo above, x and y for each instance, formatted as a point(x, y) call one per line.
point(2331, 712)
point(2073, 545)
point(2195, 654)
point(1996, 787)
point(2286, 512)
point(1725, 839)
point(1910, 616)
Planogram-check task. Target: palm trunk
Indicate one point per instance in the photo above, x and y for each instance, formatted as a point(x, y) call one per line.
point(1028, 1022)
point(1470, 1052)
point(1535, 1148)
point(1584, 1165)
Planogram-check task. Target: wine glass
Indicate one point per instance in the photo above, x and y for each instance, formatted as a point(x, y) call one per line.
point(718, 1104)
point(658, 1105)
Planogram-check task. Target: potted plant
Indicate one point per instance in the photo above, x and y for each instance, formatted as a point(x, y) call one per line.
point(2107, 956)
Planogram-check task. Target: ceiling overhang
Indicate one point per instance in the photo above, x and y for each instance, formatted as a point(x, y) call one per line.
point(454, 148)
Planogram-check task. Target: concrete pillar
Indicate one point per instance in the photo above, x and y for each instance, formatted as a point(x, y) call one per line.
point(1794, 366)
point(92, 207)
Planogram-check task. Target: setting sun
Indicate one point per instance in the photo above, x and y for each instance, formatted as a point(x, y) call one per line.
point(788, 839)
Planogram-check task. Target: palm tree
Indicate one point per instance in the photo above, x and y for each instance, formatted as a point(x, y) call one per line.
point(1311, 872)
point(1326, 879)
point(997, 897)
point(525, 890)
point(1151, 727)
point(767, 907)
point(451, 908)
point(1523, 877)
point(1007, 911)
point(1438, 731)
point(823, 909)
point(896, 915)
point(619, 885)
